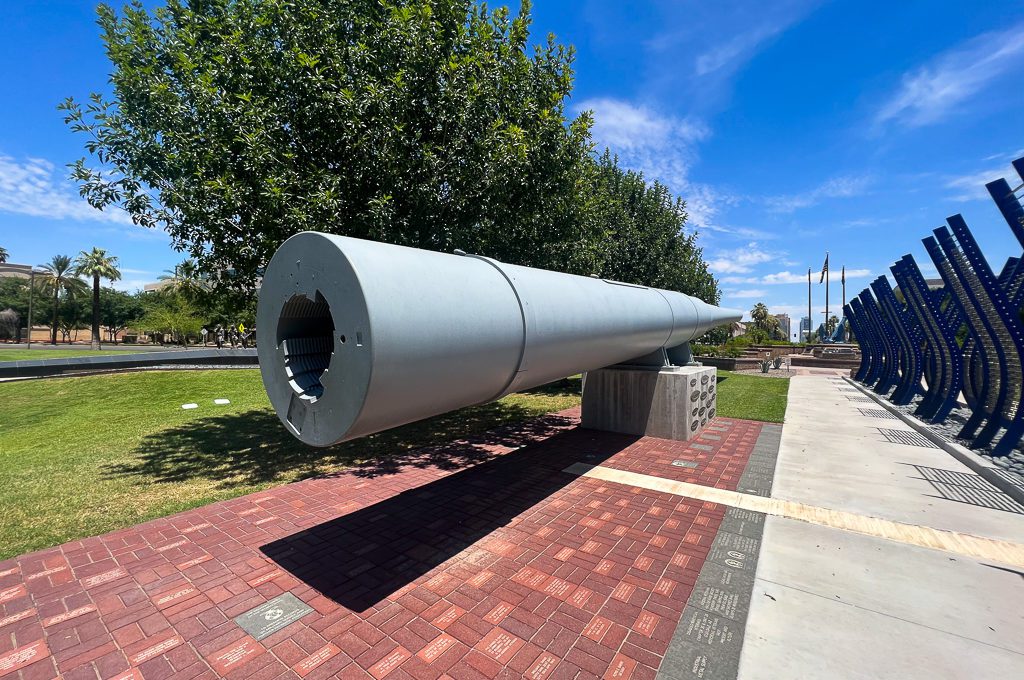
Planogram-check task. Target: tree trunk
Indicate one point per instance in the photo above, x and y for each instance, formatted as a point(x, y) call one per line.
point(95, 311)
point(53, 329)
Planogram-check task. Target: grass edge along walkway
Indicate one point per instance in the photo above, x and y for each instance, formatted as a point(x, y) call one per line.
point(87, 455)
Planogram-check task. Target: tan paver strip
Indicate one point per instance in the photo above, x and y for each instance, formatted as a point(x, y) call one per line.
point(1006, 552)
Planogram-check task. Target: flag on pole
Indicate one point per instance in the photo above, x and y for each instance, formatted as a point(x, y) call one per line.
point(843, 275)
point(824, 268)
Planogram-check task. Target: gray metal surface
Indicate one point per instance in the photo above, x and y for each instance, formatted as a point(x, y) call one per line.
point(356, 336)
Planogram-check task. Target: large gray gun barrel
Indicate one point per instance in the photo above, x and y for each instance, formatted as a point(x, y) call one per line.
point(356, 336)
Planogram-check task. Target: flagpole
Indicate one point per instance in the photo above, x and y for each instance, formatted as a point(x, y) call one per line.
point(826, 291)
point(810, 319)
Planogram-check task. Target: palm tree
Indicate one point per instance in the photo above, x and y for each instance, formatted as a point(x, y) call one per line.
point(57, 277)
point(759, 314)
point(98, 265)
point(184, 280)
point(3, 254)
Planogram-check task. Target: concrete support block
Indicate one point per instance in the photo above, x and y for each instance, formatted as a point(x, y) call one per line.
point(670, 403)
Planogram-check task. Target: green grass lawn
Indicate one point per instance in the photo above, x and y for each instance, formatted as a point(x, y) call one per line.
point(33, 354)
point(82, 456)
point(752, 397)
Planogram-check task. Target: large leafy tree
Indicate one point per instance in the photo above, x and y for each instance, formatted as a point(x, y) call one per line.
point(645, 237)
point(58, 280)
point(119, 310)
point(431, 123)
point(173, 316)
point(96, 264)
point(14, 294)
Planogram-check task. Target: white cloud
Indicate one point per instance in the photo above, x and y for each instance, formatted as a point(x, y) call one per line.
point(784, 277)
point(32, 187)
point(662, 147)
point(745, 293)
point(971, 187)
point(626, 127)
point(132, 285)
point(933, 91)
point(740, 232)
point(1004, 156)
point(740, 260)
point(787, 277)
point(837, 187)
point(733, 53)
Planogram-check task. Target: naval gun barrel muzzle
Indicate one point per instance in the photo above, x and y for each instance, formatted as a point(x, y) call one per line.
point(356, 336)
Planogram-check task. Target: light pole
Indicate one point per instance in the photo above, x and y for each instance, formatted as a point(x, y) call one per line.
point(31, 292)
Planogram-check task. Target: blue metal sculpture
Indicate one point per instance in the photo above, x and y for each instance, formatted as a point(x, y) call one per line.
point(907, 342)
point(901, 344)
point(995, 328)
point(868, 351)
point(945, 368)
point(884, 335)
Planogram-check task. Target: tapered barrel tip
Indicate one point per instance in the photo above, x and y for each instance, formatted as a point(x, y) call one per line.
point(711, 316)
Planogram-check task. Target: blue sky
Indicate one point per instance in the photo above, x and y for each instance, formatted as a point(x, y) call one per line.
point(790, 128)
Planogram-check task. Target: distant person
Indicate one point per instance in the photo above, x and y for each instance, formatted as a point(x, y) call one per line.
point(220, 336)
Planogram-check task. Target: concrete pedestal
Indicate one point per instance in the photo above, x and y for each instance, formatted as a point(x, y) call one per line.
point(671, 403)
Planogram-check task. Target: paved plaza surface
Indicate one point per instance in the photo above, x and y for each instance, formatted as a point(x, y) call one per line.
point(829, 547)
point(843, 604)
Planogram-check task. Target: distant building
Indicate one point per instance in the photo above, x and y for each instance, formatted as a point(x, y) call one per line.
point(785, 325)
point(157, 285)
point(933, 284)
point(805, 328)
point(16, 271)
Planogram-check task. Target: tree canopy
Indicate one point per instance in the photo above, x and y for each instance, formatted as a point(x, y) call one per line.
point(57, 280)
point(430, 123)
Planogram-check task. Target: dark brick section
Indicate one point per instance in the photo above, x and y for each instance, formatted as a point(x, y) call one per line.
point(708, 641)
point(473, 560)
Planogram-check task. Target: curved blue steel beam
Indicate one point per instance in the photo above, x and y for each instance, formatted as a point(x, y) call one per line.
point(907, 340)
point(999, 332)
point(888, 374)
point(854, 313)
point(945, 379)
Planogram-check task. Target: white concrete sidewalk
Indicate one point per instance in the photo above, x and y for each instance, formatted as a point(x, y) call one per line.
point(829, 603)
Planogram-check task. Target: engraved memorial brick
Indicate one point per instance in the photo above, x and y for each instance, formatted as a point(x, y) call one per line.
point(272, 616)
point(316, 659)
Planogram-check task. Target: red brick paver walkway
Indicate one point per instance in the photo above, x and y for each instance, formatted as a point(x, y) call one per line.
point(474, 560)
